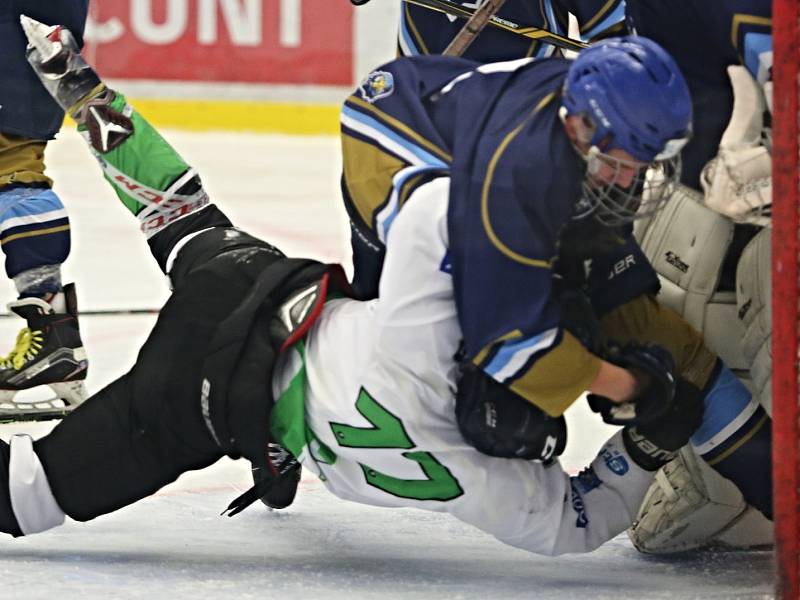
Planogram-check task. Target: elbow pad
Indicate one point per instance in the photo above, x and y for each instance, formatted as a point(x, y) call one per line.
point(498, 422)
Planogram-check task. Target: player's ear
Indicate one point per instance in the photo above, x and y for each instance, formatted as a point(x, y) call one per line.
point(579, 130)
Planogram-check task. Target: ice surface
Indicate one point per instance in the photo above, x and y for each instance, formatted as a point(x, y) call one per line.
point(175, 545)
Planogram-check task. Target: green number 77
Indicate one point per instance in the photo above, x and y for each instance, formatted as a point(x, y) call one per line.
point(387, 431)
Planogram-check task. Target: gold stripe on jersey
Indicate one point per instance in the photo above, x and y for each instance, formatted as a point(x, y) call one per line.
point(544, 263)
point(368, 173)
point(399, 126)
point(740, 442)
point(21, 160)
point(481, 356)
point(643, 320)
point(743, 19)
point(414, 31)
point(409, 187)
point(35, 233)
point(559, 377)
point(599, 15)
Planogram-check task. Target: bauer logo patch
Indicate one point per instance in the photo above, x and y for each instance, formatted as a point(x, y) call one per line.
point(377, 85)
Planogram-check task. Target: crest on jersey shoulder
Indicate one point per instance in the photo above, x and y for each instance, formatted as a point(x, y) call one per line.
point(377, 85)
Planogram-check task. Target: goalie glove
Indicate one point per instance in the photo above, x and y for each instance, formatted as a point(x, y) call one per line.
point(653, 364)
point(653, 444)
point(54, 55)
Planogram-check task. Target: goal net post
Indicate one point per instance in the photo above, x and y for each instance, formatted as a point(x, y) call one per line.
point(785, 296)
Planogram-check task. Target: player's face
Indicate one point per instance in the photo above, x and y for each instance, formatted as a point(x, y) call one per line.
point(614, 167)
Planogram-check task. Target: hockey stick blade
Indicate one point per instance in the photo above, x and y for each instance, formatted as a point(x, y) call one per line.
point(449, 7)
point(102, 312)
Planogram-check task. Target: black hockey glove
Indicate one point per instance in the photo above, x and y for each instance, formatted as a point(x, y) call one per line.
point(499, 422)
point(650, 362)
point(577, 315)
point(656, 442)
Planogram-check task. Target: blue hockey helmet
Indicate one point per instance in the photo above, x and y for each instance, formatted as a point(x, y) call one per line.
point(631, 96)
point(635, 95)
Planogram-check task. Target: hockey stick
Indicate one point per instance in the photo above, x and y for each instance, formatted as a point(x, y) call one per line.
point(102, 312)
point(449, 7)
point(474, 25)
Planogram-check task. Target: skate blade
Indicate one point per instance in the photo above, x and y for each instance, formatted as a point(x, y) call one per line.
point(68, 395)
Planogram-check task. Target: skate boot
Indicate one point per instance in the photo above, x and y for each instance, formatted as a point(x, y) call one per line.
point(48, 352)
point(281, 494)
point(56, 59)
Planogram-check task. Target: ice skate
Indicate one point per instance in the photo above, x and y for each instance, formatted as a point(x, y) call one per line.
point(48, 352)
point(54, 56)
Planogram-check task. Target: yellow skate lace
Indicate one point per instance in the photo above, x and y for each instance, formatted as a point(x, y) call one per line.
point(29, 342)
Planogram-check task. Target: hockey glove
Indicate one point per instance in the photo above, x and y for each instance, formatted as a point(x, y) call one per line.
point(499, 422)
point(653, 444)
point(654, 365)
point(56, 59)
point(577, 315)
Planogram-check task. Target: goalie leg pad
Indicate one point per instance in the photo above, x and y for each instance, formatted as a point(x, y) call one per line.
point(691, 506)
point(753, 301)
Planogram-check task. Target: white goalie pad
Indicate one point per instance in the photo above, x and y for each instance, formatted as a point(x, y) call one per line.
point(690, 505)
point(754, 309)
point(738, 182)
point(686, 243)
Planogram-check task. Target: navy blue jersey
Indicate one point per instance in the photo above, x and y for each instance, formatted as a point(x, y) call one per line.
point(515, 180)
point(27, 109)
point(705, 39)
point(424, 31)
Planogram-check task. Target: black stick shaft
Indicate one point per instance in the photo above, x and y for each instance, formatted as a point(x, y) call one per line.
point(474, 25)
point(449, 7)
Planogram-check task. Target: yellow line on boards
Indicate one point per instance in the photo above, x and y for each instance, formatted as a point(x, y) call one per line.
point(240, 115)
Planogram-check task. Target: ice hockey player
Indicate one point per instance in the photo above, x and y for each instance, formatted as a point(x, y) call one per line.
point(352, 403)
point(363, 389)
point(425, 31)
point(507, 134)
point(726, 275)
point(34, 226)
point(704, 43)
point(695, 507)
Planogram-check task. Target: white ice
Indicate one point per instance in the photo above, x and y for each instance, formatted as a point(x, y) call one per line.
point(175, 545)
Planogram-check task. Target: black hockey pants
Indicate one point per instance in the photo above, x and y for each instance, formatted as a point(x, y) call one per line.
point(146, 428)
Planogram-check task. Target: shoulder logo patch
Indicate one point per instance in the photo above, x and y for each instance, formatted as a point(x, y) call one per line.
point(377, 85)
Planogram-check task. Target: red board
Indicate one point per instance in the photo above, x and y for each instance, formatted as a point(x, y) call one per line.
point(253, 41)
point(786, 295)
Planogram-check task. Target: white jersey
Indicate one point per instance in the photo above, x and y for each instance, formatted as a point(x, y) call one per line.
point(378, 384)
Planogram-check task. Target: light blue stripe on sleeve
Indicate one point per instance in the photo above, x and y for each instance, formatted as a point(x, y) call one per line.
point(755, 44)
point(408, 45)
point(394, 207)
point(727, 401)
point(21, 202)
point(614, 17)
point(512, 356)
point(368, 122)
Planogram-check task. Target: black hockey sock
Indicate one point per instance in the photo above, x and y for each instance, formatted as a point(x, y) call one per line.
point(746, 459)
point(735, 438)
